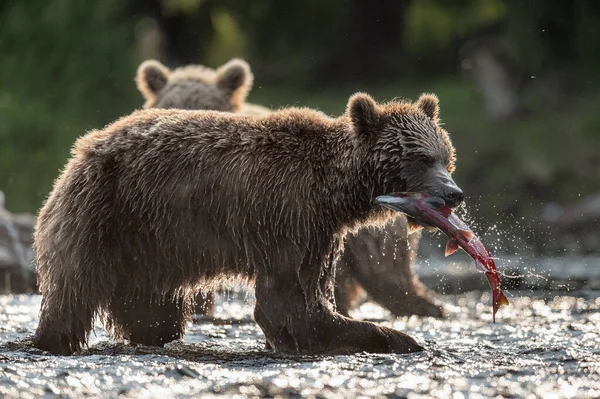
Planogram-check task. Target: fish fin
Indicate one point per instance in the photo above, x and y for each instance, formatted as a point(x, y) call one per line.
point(468, 235)
point(451, 247)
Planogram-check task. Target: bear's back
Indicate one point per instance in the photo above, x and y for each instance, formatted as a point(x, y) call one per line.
point(267, 151)
point(293, 134)
point(175, 168)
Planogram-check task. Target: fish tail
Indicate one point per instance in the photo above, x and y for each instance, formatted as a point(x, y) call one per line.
point(502, 300)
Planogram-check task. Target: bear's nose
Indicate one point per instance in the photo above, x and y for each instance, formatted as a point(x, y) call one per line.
point(453, 197)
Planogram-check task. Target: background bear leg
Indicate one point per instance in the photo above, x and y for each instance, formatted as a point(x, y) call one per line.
point(348, 291)
point(65, 321)
point(381, 261)
point(204, 303)
point(149, 319)
point(295, 323)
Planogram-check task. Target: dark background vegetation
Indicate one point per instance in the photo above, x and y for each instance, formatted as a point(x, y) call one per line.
point(517, 80)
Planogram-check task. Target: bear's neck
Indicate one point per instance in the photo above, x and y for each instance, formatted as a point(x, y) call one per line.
point(353, 193)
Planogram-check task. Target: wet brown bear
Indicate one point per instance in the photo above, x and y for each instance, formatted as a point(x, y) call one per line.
point(198, 87)
point(374, 260)
point(164, 202)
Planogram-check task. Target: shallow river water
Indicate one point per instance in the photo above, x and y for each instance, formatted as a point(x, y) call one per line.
point(545, 344)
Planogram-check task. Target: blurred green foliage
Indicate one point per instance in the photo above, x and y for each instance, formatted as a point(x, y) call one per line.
point(68, 66)
point(424, 37)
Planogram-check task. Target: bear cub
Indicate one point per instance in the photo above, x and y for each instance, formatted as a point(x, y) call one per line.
point(198, 87)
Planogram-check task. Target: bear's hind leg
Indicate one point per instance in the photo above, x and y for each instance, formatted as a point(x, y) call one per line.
point(65, 321)
point(148, 319)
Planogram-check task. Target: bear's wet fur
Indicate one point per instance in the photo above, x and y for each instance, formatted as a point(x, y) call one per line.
point(198, 87)
point(164, 203)
point(376, 261)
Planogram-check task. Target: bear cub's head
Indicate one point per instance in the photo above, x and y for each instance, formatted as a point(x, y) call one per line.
point(195, 86)
point(412, 152)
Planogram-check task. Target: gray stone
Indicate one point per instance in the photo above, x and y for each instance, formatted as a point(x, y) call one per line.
point(17, 273)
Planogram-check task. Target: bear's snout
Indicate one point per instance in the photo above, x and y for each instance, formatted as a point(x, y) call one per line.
point(441, 185)
point(453, 196)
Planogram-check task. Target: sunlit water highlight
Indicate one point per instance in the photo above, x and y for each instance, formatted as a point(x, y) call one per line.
point(544, 345)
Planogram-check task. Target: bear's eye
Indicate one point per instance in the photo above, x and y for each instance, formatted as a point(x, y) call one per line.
point(428, 161)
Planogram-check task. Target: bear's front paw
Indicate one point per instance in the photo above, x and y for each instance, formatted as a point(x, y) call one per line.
point(398, 342)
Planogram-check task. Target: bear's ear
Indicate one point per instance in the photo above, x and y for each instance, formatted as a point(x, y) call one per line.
point(362, 111)
point(429, 104)
point(235, 78)
point(151, 78)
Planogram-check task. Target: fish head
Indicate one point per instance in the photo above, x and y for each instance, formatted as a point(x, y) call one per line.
point(401, 202)
point(413, 205)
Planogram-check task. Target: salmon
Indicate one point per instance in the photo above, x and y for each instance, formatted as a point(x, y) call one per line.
point(431, 212)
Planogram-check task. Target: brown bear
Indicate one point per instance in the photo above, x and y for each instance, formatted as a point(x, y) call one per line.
point(378, 262)
point(198, 87)
point(163, 203)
